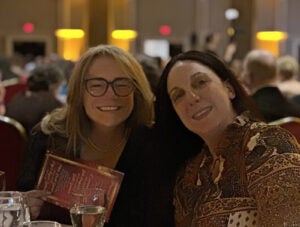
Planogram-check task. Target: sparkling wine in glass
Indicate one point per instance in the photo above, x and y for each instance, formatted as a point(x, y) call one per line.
point(88, 207)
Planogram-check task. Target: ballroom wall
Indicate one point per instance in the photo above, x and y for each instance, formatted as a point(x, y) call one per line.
point(187, 19)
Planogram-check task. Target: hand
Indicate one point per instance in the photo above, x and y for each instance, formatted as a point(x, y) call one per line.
point(35, 200)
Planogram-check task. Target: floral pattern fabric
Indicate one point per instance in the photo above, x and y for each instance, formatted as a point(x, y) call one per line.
point(258, 180)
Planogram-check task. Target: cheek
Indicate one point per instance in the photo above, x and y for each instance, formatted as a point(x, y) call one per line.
point(128, 106)
point(179, 109)
point(87, 101)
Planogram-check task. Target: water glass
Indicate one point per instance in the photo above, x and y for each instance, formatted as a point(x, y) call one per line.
point(12, 209)
point(42, 224)
point(88, 207)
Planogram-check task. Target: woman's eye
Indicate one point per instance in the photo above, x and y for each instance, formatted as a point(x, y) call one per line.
point(177, 95)
point(199, 84)
point(97, 85)
point(122, 85)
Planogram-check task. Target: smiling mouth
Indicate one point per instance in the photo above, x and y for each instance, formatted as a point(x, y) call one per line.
point(108, 108)
point(202, 114)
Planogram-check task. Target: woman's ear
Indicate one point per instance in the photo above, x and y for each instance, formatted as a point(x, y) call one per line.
point(230, 90)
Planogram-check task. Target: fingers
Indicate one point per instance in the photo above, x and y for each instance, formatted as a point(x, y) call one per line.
point(35, 200)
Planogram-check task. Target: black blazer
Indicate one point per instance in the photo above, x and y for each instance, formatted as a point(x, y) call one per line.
point(129, 206)
point(273, 105)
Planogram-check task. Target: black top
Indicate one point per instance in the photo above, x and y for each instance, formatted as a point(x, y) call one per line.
point(273, 105)
point(128, 209)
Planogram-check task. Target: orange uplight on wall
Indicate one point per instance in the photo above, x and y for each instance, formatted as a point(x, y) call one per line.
point(124, 34)
point(269, 40)
point(271, 35)
point(122, 38)
point(70, 43)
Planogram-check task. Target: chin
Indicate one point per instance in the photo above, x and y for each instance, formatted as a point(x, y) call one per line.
point(110, 124)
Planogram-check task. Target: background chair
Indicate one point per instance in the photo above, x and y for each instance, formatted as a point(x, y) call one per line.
point(291, 124)
point(12, 87)
point(2, 181)
point(12, 148)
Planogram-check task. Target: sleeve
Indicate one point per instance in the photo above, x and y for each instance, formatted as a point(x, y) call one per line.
point(273, 172)
point(33, 161)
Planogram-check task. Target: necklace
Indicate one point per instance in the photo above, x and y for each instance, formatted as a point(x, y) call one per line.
point(109, 147)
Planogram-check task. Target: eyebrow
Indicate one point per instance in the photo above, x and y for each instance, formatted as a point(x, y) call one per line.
point(191, 76)
point(90, 76)
point(198, 73)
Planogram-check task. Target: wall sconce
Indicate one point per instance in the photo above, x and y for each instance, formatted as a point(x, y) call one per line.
point(70, 43)
point(124, 34)
point(269, 40)
point(69, 33)
point(122, 38)
point(271, 35)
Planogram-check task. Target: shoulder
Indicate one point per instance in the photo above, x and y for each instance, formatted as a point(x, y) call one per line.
point(270, 138)
point(269, 148)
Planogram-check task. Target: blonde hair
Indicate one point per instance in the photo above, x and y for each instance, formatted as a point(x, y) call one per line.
point(72, 122)
point(287, 67)
point(261, 64)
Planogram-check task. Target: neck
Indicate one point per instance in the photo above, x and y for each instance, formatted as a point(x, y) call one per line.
point(102, 136)
point(272, 83)
point(212, 139)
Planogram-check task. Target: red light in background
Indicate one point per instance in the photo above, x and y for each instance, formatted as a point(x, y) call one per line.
point(28, 27)
point(165, 30)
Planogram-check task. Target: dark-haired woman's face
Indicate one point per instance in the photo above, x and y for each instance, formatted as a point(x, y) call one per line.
point(201, 100)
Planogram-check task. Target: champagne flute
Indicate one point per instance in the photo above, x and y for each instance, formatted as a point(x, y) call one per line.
point(88, 207)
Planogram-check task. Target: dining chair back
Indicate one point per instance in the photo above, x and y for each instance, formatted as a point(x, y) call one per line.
point(291, 124)
point(12, 87)
point(12, 148)
point(2, 181)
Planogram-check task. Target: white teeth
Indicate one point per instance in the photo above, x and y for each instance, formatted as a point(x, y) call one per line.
point(201, 113)
point(108, 108)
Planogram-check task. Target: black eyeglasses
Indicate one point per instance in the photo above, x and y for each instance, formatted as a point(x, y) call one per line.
point(121, 86)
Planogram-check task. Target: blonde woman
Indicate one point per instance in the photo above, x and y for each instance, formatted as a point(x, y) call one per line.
point(106, 120)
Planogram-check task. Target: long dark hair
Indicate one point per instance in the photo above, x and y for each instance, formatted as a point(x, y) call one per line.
point(175, 144)
point(168, 124)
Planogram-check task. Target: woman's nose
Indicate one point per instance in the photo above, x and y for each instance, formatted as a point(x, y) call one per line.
point(194, 97)
point(110, 92)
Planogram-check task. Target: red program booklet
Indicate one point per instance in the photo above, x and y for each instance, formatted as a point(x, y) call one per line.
point(60, 176)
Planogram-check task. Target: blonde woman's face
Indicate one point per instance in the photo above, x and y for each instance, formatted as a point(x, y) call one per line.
point(107, 105)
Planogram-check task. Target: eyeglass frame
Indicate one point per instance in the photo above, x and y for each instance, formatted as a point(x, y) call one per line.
point(109, 83)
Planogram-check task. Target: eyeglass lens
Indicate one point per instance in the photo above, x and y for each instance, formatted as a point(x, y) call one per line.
point(98, 86)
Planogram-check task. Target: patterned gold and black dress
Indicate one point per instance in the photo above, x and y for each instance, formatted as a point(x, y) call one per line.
point(258, 180)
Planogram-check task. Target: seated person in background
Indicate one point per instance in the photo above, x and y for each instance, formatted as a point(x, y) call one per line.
point(259, 76)
point(211, 43)
point(106, 120)
point(296, 100)
point(247, 172)
point(67, 66)
point(2, 96)
point(5, 69)
point(31, 106)
point(288, 71)
point(151, 68)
